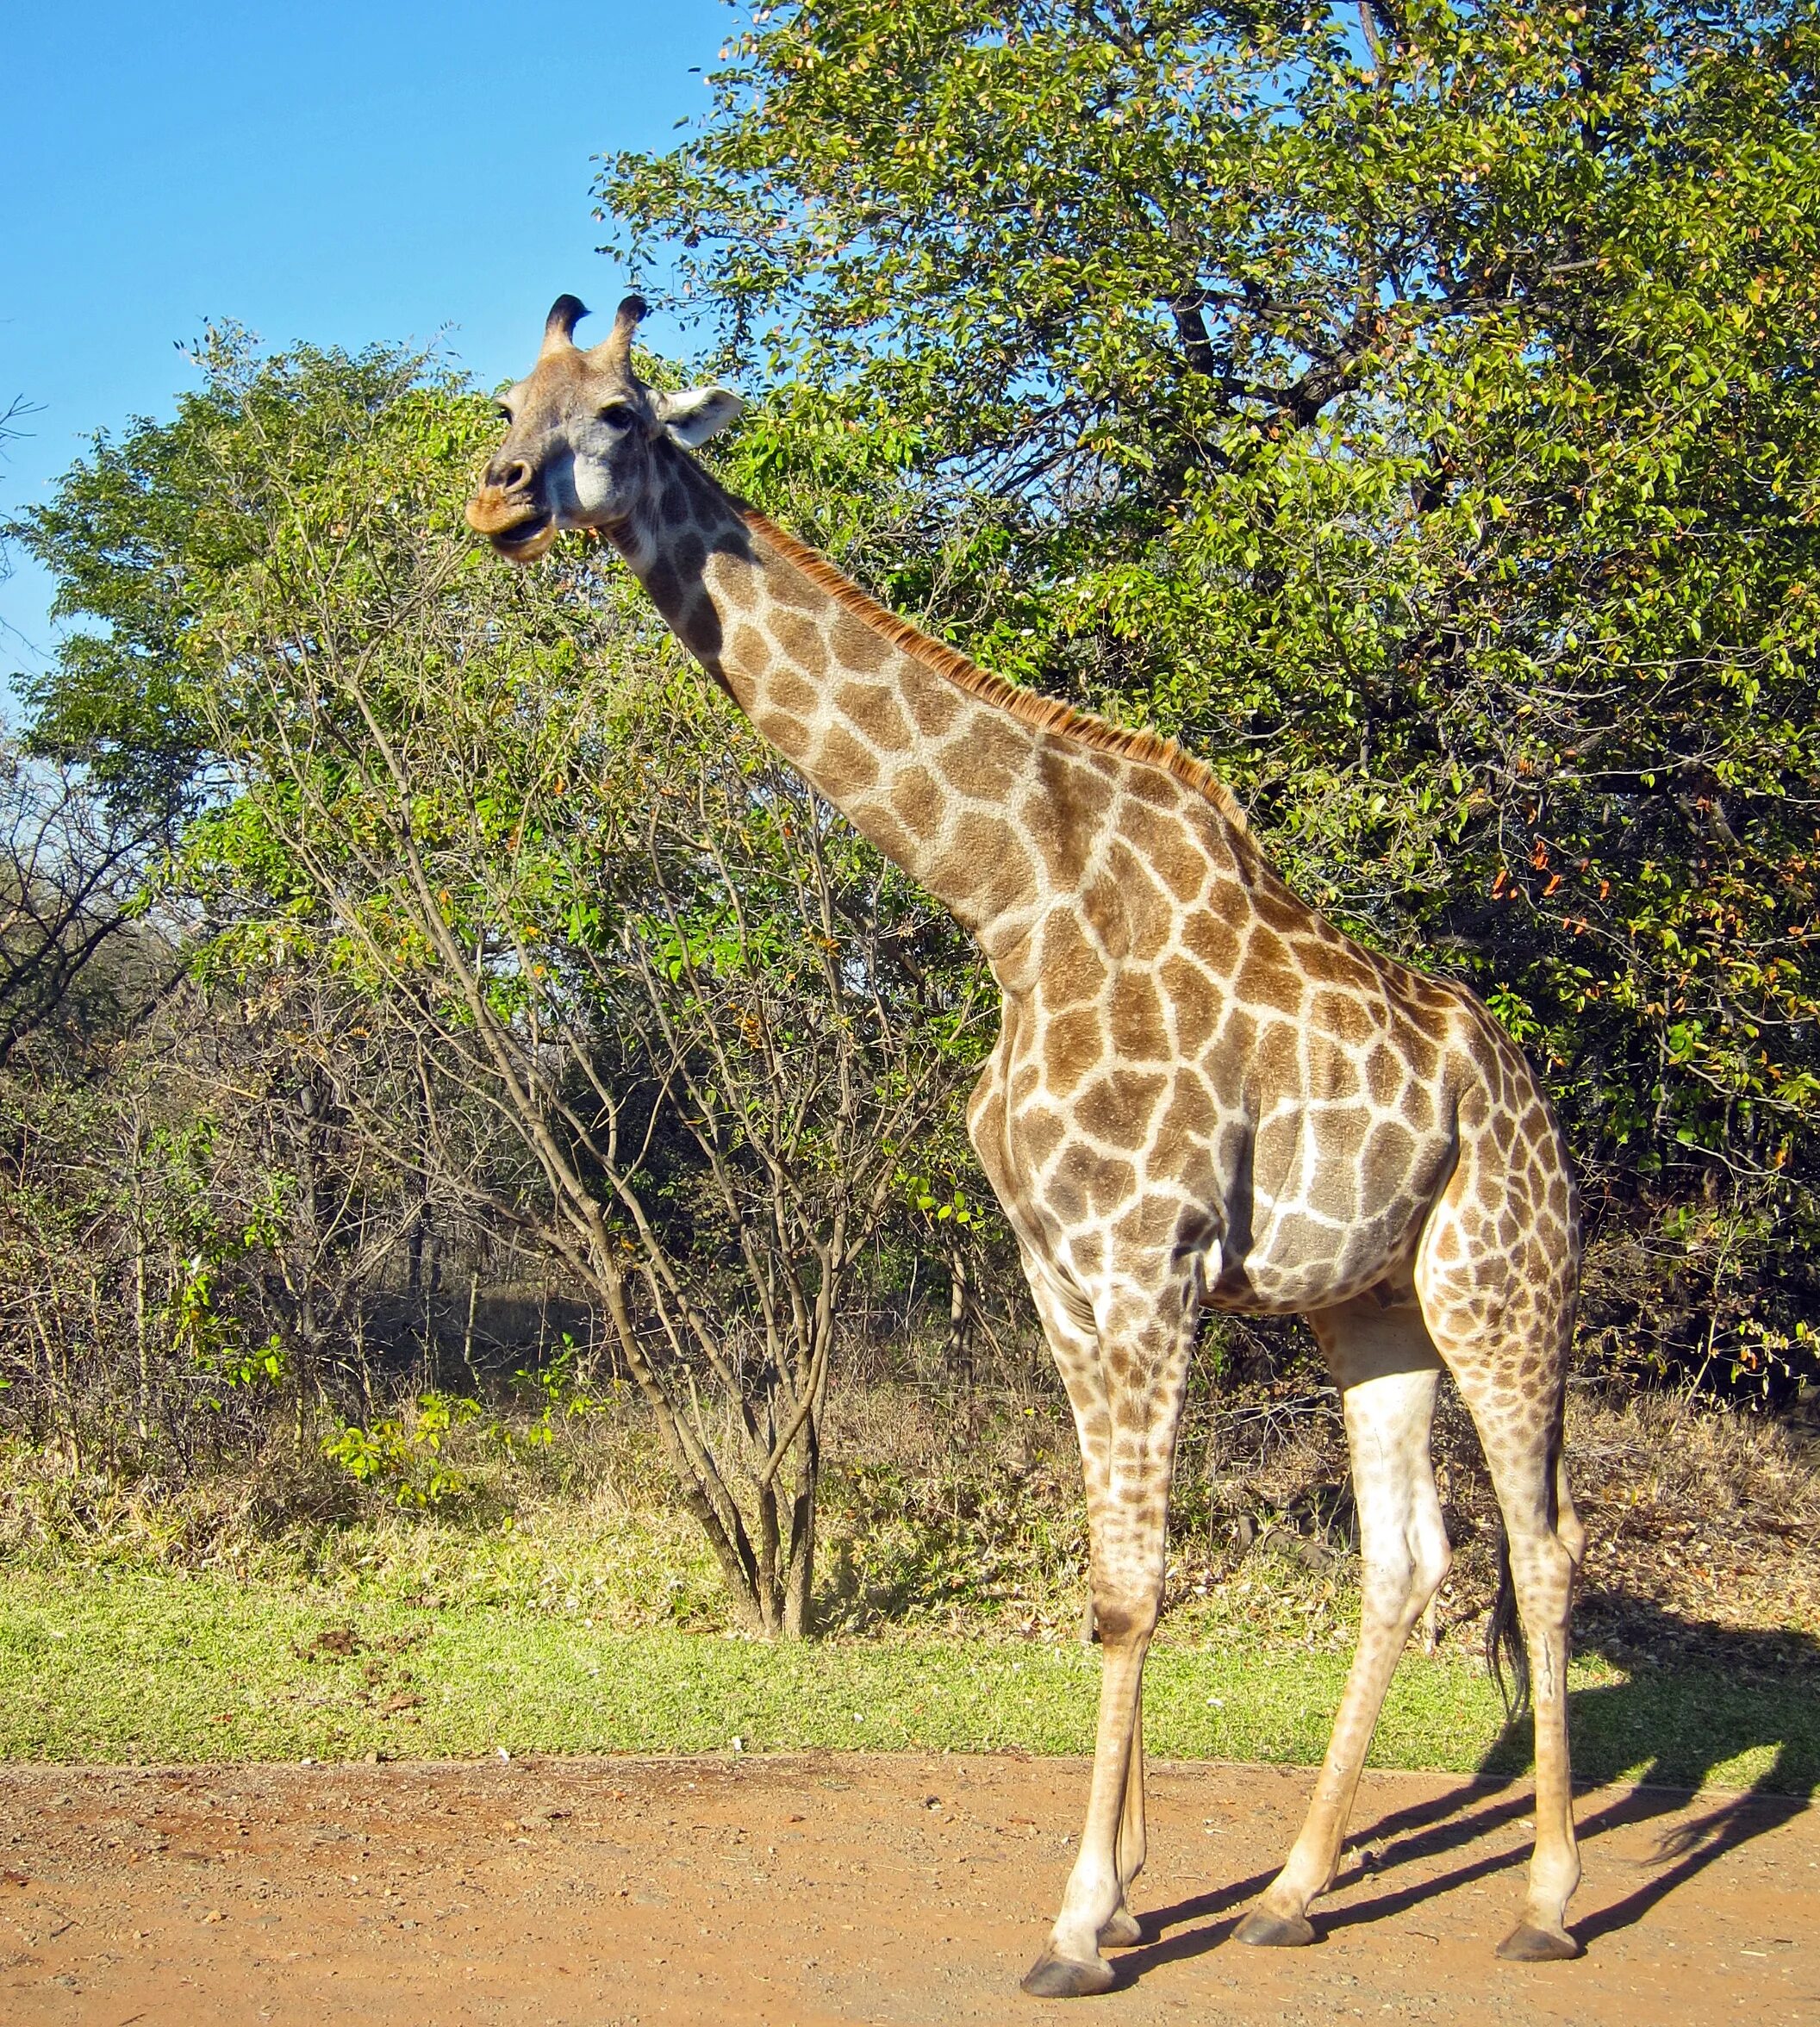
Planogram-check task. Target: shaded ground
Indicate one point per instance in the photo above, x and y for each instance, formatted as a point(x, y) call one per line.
point(847, 1888)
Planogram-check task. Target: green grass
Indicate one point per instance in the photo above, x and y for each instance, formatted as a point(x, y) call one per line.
point(122, 1666)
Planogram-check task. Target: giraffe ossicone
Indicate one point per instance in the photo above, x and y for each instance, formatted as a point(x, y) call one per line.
point(1203, 1096)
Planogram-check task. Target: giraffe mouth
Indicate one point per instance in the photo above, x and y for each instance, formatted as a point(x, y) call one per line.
point(525, 542)
point(516, 528)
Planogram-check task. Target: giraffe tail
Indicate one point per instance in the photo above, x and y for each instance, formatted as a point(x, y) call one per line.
point(1505, 1648)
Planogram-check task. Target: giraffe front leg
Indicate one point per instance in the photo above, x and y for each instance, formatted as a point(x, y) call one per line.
point(1071, 1965)
point(1127, 1442)
point(1122, 1929)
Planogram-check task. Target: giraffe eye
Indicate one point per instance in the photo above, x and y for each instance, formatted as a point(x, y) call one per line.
point(617, 415)
point(501, 409)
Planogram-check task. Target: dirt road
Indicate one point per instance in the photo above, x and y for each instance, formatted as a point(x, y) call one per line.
point(851, 1890)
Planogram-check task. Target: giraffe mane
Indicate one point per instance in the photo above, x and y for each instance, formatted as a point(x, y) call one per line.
point(1028, 706)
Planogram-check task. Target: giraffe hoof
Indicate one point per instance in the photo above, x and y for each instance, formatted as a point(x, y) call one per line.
point(1526, 1943)
point(1275, 1931)
point(1061, 1977)
point(1121, 1931)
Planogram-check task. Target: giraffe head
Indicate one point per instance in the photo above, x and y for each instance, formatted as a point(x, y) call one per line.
point(582, 429)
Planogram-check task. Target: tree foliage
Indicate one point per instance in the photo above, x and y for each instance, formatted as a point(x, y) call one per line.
point(549, 932)
point(135, 533)
point(1412, 407)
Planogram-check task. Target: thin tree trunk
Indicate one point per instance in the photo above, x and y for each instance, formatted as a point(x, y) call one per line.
point(364, 1364)
point(467, 1334)
point(800, 1598)
point(799, 1613)
point(957, 1350)
point(142, 1329)
point(731, 1550)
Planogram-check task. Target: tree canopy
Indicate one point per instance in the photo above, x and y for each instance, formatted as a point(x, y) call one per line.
point(1414, 407)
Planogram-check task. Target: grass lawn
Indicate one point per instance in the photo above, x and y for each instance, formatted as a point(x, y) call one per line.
point(123, 1666)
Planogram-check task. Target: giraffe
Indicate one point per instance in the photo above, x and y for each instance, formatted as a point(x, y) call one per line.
point(1203, 1096)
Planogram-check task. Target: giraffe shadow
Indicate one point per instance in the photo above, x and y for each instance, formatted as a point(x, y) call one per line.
point(1644, 1748)
point(1667, 1731)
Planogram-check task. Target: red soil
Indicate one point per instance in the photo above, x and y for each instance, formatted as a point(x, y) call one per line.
point(851, 1889)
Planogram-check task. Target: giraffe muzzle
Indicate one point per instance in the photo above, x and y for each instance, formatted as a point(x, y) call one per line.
point(517, 527)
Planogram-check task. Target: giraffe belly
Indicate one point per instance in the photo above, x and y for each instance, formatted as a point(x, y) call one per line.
point(1308, 1228)
point(1257, 1284)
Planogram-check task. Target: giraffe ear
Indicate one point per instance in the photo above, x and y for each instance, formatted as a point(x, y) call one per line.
point(703, 412)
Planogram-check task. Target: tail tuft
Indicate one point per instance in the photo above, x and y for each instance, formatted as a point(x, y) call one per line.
point(1505, 1648)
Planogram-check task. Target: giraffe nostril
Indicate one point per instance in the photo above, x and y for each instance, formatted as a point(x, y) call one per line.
point(514, 477)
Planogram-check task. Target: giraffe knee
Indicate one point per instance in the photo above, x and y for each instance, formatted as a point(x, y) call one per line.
point(1122, 1615)
point(1402, 1569)
point(1431, 1555)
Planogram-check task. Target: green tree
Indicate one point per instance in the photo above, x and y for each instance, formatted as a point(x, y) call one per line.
point(1414, 407)
point(525, 912)
point(134, 532)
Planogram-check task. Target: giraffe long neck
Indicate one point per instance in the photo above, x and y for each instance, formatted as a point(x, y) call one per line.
point(948, 783)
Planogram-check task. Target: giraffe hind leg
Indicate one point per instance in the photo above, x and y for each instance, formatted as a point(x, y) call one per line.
point(1524, 1452)
point(1387, 1372)
point(1505, 1340)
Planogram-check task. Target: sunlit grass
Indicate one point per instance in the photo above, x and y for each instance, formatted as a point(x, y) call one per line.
point(562, 1604)
point(140, 1666)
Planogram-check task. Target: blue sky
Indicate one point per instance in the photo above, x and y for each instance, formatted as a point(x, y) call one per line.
point(317, 170)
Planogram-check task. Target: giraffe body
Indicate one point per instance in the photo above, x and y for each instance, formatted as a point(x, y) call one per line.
point(1203, 1096)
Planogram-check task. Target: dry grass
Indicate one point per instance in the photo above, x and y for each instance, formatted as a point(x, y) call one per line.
point(961, 1513)
point(1701, 1524)
point(1698, 1525)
